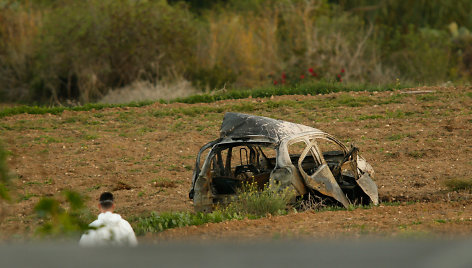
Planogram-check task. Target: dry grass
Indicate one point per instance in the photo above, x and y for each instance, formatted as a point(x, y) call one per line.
point(143, 90)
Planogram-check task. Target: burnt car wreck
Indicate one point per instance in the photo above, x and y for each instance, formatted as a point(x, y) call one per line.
point(274, 152)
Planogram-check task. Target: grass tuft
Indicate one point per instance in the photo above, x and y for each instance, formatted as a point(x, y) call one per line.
point(459, 184)
point(254, 203)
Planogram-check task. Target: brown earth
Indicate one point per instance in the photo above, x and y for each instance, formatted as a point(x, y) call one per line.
point(415, 142)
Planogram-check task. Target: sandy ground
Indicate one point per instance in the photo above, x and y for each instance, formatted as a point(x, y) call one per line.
point(415, 142)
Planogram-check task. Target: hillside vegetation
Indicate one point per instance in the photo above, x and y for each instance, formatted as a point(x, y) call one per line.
point(53, 51)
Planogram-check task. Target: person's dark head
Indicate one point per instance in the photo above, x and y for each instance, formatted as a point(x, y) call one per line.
point(106, 202)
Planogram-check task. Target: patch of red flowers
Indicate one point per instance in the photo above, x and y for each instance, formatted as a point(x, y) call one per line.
point(340, 75)
point(290, 79)
point(312, 72)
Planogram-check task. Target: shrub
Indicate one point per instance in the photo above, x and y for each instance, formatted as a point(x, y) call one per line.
point(89, 46)
point(62, 222)
point(425, 56)
point(459, 184)
point(253, 202)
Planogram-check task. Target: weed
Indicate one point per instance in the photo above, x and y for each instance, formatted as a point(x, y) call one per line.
point(250, 200)
point(89, 137)
point(391, 204)
point(173, 167)
point(416, 154)
point(440, 221)
point(93, 188)
point(167, 220)
point(93, 123)
point(427, 97)
point(146, 157)
point(396, 137)
point(350, 101)
point(402, 226)
point(4, 173)
point(144, 130)
point(368, 117)
point(98, 115)
point(164, 183)
point(459, 184)
point(135, 170)
point(26, 196)
point(46, 139)
point(188, 167)
point(33, 183)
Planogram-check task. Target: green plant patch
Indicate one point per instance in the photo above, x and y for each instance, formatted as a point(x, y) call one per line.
point(168, 220)
point(459, 184)
point(396, 137)
point(369, 117)
point(427, 97)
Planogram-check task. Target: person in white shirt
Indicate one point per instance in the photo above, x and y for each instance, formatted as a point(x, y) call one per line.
point(109, 229)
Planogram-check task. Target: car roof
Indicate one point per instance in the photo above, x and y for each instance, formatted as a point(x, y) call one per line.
point(244, 126)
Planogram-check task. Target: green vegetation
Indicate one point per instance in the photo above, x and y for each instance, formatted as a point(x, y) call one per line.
point(305, 89)
point(459, 184)
point(167, 220)
point(396, 137)
point(313, 88)
point(60, 222)
point(4, 173)
point(65, 51)
point(59, 109)
point(257, 203)
point(249, 203)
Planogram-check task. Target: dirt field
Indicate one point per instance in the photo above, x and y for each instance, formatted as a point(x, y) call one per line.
point(415, 142)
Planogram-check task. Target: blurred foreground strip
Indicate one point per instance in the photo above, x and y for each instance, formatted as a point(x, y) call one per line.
point(378, 253)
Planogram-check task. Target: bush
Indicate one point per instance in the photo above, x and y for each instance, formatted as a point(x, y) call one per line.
point(59, 222)
point(87, 47)
point(253, 202)
point(459, 184)
point(426, 56)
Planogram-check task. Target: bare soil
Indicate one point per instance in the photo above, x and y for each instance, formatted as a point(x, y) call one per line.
point(415, 142)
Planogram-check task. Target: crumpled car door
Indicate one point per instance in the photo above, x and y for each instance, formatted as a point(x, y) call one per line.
point(365, 180)
point(322, 180)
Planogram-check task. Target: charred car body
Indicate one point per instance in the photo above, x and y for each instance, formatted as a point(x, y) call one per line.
point(269, 151)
